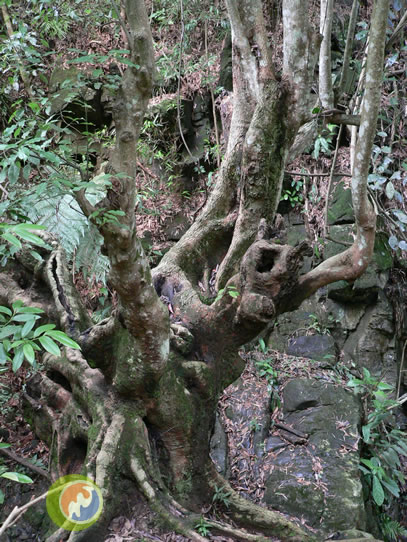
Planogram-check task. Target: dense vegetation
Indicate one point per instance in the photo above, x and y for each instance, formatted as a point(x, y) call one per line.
point(146, 151)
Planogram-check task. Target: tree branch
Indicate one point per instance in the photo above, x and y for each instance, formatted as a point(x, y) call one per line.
point(350, 264)
point(325, 76)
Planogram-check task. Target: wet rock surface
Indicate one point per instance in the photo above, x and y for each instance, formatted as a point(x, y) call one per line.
point(320, 480)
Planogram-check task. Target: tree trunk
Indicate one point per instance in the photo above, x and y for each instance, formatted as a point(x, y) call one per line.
point(138, 402)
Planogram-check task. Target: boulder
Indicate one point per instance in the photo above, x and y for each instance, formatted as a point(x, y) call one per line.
point(319, 481)
point(372, 343)
point(317, 347)
point(219, 448)
point(341, 210)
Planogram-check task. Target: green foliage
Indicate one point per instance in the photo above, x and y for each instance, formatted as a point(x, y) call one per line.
point(293, 195)
point(323, 142)
point(383, 443)
point(391, 529)
point(317, 325)
point(14, 476)
point(221, 496)
point(229, 290)
point(203, 527)
point(26, 141)
point(254, 426)
point(387, 182)
point(59, 213)
point(13, 236)
point(19, 339)
point(267, 371)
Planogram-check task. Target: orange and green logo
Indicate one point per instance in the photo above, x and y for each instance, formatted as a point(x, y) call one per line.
point(74, 502)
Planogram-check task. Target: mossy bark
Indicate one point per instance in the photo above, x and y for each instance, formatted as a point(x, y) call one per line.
point(139, 400)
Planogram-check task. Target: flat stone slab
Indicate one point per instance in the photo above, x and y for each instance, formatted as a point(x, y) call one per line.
point(318, 347)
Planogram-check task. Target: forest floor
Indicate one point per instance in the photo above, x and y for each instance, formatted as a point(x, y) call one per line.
point(138, 523)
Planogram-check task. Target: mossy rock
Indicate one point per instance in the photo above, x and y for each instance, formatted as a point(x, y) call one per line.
point(341, 210)
point(319, 481)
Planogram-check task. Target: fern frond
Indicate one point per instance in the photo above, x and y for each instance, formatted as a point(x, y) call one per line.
point(62, 216)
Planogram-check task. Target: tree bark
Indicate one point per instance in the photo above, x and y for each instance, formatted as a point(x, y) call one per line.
point(138, 402)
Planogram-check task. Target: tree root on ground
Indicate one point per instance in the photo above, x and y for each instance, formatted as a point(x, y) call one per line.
point(268, 522)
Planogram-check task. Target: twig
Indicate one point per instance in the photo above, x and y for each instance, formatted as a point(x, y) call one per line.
point(336, 173)
point(286, 427)
point(4, 191)
point(148, 171)
point(122, 24)
point(17, 511)
point(344, 243)
point(14, 457)
point(181, 46)
point(397, 31)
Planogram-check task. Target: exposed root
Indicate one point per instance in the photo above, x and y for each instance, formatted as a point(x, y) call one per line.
point(248, 514)
point(178, 524)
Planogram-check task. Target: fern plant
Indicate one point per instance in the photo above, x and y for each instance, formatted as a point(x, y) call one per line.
point(62, 216)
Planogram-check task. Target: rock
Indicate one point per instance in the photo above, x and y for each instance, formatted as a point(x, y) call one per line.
point(219, 448)
point(176, 226)
point(273, 444)
point(317, 347)
point(366, 287)
point(351, 534)
point(320, 481)
point(253, 418)
point(372, 343)
point(341, 210)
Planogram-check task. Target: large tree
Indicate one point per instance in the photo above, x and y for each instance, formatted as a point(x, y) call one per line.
point(138, 401)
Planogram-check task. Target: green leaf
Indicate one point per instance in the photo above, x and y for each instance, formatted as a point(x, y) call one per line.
point(366, 433)
point(18, 359)
point(42, 329)
point(5, 310)
point(25, 317)
point(13, 173)
point(30, 310)
point(31, 238)
point(27, 327)
point(384, 386)
point(12, 240)
point(368, 463)
point(390, 190)
point(3, 355)
point(7, 331)
point(29, 353)
point(63, 338)
point(87, 58)
point(49, 345)
point(5, 445)
point(377, 491)
point(128, 62)
point(28, 226)
point(17, 305)
point(392, 487)
point(17, 477)
point(26, 171)
point(35, 255)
